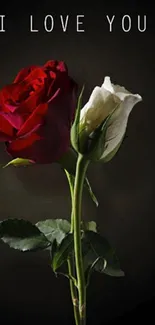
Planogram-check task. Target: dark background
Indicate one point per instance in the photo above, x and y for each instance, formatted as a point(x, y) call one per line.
point(125, 186)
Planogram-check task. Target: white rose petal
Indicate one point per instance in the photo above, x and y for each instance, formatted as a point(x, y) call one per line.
point(99, 106)
point(104, 101)
point(117, 125)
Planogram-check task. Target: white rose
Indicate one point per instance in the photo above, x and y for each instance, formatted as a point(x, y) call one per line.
point(105, 100)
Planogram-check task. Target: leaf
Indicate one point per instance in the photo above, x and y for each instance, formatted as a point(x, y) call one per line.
point(90, 225)
point(62, 252)
point(54, 229)
point(91, 268)
point(19, 162)
point(92, 195)
point(68, 163)
point(63, 269)
point(22, 235)
point(53, 249)
point(75, 125)
point(70, 169)
point(68, 276)
point(95, 246)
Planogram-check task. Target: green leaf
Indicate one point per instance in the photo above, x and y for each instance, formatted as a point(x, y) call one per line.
point(90, 225)
point(22, 235)
point(54, 229)
point(91, 268)
point(19, 162)
point(68, 163)
point(70, 169)
point(63, 269)
point(75, 125)
point(68, 276)
point(92, 195)
point(53, 249)
point(62, 252)
point(95, 246)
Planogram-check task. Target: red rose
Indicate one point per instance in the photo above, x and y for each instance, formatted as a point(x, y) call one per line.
point(36, 112)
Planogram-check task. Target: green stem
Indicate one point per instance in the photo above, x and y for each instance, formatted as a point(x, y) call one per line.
point(70, 261)
point(73, 291)
point(71, 186)
point(81, 168)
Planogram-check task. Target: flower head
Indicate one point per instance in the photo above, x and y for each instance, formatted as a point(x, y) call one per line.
point(103, 120)
point(36, 112)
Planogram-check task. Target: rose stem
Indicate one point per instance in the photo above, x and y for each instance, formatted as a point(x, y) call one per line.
point(70, 261)
point(81, 168)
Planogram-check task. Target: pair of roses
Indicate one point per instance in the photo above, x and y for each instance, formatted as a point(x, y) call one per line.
point(38, 109)
point(40, 121)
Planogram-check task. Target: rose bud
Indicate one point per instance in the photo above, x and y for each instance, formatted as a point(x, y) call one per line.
point(103, 121)
point(36, 112)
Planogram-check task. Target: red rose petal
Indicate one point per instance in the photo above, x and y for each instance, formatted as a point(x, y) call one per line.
point(31, 102)
point(24, 73)
point(44, 151)
point(34, 119)
point(9, 97)
point(21, 97)
point(4, 137)
point(55, 65)
point(45, 133)
point(35, 82)
point(25, 94)
point(50, 65)
point(52, 75)
point(5, 126)
point(35, 74)
point(54, 95)
point(20, 144)
point(62, 66)
point(13, 118)
point(35, 128)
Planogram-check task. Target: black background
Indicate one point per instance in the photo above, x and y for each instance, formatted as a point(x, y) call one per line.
point(125, 187)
